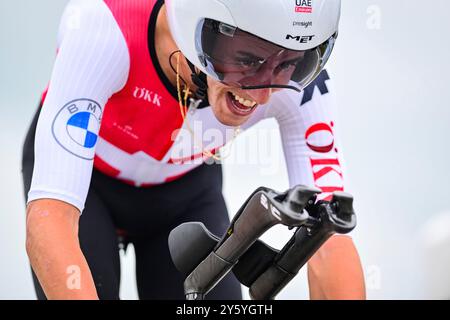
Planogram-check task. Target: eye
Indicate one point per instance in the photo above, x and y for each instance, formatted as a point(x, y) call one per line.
point(249, 63)
point(288, 64)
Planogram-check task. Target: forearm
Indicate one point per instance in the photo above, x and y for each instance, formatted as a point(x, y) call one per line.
point(55, 254)
point(335, 271)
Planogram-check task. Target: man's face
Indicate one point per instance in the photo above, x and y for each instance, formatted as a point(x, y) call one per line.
point(246, 61)
point(228, 109)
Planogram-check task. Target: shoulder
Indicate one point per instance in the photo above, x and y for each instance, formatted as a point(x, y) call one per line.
point(85, 15)
point(77, 11)
point(319, 87)
point(86, 6)
point(91, 24)
point(314, 98)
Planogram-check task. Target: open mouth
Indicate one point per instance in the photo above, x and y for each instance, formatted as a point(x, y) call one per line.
point(240, 106)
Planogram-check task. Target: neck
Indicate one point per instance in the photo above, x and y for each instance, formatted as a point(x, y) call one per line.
point(165, 45)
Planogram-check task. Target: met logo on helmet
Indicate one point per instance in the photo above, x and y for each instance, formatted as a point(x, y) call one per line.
point(301, 39)
point(303, 6)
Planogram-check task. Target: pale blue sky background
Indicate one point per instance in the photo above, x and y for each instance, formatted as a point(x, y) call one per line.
point(392, 88)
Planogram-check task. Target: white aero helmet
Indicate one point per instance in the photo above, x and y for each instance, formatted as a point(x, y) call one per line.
point(256, 44)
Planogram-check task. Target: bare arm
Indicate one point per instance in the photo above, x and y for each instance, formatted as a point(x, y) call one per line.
point(335, 271)
point(54, 251)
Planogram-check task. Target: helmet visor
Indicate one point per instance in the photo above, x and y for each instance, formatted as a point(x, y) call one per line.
point(241, 59)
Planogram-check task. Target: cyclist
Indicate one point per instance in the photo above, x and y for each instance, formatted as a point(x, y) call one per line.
point(116, 136)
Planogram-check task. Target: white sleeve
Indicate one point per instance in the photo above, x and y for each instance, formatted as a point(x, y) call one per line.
point(309, 135)
point(92, 64)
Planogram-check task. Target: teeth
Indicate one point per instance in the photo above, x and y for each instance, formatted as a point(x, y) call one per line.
point(247, 103)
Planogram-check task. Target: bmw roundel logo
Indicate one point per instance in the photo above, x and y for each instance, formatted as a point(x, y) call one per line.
point(76, 127)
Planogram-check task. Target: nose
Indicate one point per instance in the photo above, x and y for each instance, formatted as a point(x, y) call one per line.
point(263, 77)
point(260, 96)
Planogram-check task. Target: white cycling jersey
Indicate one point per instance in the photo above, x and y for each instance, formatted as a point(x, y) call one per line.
point(109, 106)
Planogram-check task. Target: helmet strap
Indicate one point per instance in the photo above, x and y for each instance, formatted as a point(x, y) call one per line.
point(200, 80)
